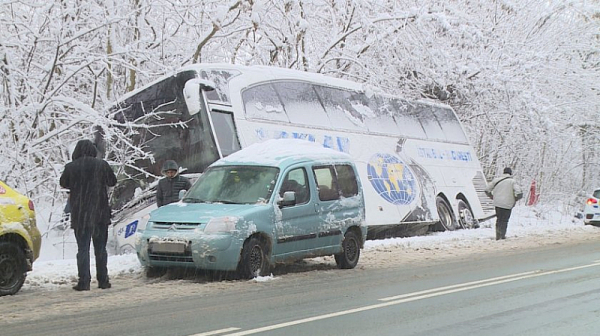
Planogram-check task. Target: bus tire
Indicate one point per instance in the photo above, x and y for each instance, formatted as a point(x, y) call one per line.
point(465, 215)
point(348, 258)
point(447, 219)
point(126, 249)
point(254, 260)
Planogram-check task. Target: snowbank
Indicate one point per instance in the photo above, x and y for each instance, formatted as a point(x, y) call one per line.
point(528, 227)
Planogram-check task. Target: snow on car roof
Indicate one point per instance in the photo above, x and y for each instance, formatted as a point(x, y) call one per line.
point(275, 152)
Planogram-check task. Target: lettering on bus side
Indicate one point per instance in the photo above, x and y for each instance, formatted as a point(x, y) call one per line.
point(341, 144)
point(454, 155)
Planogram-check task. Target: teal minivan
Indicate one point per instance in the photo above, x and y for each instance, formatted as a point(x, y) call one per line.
point(272, 202)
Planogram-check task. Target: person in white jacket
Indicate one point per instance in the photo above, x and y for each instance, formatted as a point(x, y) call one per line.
point(505, 192)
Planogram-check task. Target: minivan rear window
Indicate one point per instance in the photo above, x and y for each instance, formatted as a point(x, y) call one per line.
point(347, 180)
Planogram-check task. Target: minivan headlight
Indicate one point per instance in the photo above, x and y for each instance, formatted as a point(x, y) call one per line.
point(221, 224)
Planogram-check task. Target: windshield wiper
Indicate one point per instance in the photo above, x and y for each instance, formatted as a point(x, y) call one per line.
point(226, 202)
point(192, 200)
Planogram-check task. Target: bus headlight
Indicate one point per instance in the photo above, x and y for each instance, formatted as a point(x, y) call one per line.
point(221, 224)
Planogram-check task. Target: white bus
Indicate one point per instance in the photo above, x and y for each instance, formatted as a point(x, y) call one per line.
point(418, 169)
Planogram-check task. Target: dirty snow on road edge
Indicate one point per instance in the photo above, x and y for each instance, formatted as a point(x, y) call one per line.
point(528, 227)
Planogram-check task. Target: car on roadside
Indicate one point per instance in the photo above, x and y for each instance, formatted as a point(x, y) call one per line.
point(272, 202)
point(20, 239)
point(591, 212)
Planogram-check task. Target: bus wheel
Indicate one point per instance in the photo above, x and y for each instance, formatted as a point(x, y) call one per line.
point(254, 261)
point(447, 219)
point(126, 249)
point(466, 218)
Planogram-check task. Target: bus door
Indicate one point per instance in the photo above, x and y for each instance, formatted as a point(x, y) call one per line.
point(224, 129)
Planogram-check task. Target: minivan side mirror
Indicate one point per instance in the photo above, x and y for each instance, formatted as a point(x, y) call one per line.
point(181, 194)
point(289, 198)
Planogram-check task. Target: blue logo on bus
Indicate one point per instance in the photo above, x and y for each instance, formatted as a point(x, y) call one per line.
point(393, 180)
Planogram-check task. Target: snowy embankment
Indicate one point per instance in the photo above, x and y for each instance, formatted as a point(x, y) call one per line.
point(528, 227)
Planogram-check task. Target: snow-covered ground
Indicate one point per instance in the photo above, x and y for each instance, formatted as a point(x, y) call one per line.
point(528, 227)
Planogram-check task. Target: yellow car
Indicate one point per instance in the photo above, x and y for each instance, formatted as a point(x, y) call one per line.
point(20, 240)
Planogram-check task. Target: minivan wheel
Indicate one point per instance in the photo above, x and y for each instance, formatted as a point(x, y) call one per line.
point(254, 260)
point(350, 251)
point(13, 268)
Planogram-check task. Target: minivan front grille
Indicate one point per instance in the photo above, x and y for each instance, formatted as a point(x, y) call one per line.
point(174, 226)
point(185, 258)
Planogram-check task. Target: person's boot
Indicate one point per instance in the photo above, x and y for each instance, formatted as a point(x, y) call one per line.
point(104, 285)
point(81, 287)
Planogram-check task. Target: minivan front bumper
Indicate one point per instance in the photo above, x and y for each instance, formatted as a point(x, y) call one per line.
point(204, 251)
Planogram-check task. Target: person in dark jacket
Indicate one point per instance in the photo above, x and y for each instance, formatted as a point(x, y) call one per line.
point(88, 179)
point(169, 187)
point(505, 192)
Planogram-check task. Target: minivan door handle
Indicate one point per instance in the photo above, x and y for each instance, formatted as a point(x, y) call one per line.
point(317, 207)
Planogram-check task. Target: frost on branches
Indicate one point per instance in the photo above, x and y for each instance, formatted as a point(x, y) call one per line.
point(523, 77)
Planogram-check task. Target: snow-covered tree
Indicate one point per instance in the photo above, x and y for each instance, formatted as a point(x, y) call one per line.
point(522, 76)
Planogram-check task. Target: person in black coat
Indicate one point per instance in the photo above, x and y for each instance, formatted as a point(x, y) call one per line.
point(88, 179)
point(169, 187)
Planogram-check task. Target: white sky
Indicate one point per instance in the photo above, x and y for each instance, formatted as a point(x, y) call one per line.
point(57, 267)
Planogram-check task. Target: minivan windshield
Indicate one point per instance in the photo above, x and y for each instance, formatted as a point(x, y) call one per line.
point(234, 185)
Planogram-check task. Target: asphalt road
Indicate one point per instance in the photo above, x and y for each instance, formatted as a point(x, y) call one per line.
point(552, 290)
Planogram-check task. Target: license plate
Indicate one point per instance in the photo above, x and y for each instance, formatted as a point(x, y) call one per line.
point(168, 247)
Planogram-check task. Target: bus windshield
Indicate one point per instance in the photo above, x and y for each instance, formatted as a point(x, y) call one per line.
point(234, 185)
point(160, 128)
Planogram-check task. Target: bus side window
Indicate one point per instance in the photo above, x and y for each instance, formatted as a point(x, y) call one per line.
point(339, 110)
point(377, 112)
point(301, 104)
point(450, 124)
point(406, 119)
point(430, 124)
point(261, 102)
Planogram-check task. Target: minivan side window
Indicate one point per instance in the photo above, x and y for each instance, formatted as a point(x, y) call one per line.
point(296, 181)
point(347, 180)
point(325, 178)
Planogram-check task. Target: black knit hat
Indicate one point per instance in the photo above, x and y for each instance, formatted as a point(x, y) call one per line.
point(169, 165)
point(508, 171)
